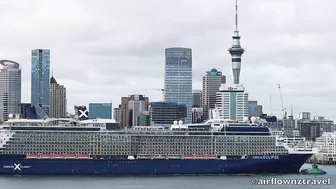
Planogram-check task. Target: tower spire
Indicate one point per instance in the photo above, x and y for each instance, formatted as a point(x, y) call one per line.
point(236, 51)
point(236, 15)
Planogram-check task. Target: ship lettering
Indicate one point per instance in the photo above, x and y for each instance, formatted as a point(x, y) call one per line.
point(265, 157)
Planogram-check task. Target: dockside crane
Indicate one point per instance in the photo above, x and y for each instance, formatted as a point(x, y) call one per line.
point(284, 112)
point(163, 92)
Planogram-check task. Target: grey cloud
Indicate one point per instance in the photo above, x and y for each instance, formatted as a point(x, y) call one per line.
point(102, 50)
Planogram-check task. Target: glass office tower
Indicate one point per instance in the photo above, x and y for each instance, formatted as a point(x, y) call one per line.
point(10, 89)
point(178, 78)
point(40, 75)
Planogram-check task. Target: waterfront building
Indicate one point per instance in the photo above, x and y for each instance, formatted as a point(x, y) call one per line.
point(40, 75)
point(178, 78)
point(100, 110)
point(211, 84)
point(131, 108)
point(326, 124)
point(310, 130)
point(165, 113)
point(10, 89)
point(117, 114)
point(232, 102)
point(58, 100)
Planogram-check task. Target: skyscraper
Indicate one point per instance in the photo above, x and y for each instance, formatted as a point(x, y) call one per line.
point(197, 99)
point(178, 78)
point(40, 75)
point(211, 83)
point(236, 51)
point(58, 101)
point(131, 108)
point(10, 89)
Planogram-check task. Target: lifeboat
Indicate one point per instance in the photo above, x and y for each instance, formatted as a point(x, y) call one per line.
point(45, 156)
point(212, 157)
point(32, 156)
point(71, 156)
point(58, 156)
point(200, 156)
point(143, 157)
point(188, 156)
point(159, 157)
point(173, 156)
point(84, 156)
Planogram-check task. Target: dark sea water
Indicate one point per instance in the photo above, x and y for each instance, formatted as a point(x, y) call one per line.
point(159, 182)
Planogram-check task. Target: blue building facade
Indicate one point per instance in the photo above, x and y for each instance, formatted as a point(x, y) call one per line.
point(40, 75)
point(178, 78)
point(100, 110)
point(165, 113)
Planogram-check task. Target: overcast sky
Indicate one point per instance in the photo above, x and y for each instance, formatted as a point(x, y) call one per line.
point(104, 49)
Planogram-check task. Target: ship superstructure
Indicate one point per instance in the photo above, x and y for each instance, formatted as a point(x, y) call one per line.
point(78, 147)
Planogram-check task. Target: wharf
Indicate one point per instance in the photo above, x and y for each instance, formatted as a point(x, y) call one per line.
point(313, 159)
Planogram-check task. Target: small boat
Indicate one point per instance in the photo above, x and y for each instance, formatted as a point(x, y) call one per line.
point(313, 171)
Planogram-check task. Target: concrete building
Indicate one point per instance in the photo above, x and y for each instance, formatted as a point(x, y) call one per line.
point(117, 114)
point(309, 130)
point(131, 108)
point(325, 124)
point(232, 102)
point(197, 99)
point(165, 113)
point(58, 100)
point(100, 110)
point(178, 78)
point(40, 75)
point(197, 115)
point(211, 84)
point(305, 116)
point(10, 89)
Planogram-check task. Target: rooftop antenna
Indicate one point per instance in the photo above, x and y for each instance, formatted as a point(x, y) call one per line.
point(292, 110)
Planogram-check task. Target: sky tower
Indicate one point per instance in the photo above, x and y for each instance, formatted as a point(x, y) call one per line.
point(236, 51)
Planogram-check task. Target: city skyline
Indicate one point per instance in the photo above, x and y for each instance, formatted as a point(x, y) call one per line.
point(281, 48)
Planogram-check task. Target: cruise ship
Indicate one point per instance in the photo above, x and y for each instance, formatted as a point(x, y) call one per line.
point(71, 146)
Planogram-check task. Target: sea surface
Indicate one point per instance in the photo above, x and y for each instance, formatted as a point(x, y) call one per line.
point(159, 182)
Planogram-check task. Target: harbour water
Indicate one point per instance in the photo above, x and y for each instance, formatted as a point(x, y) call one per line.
point(158, 182)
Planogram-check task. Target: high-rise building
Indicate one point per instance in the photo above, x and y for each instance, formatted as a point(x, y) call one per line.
point(117, 114)
point(197, 98)
point(131, 108)
point(10, 89)
point(58, 100)
point(211, 84)
point(255, 110)
point(236, 52)
point(100, 110)
point(40, 75)
point(178, 78)
point(232, 102)
point(197, 115)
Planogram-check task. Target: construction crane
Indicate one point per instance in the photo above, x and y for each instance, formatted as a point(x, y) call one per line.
point(163, 92)
point(284, 112)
